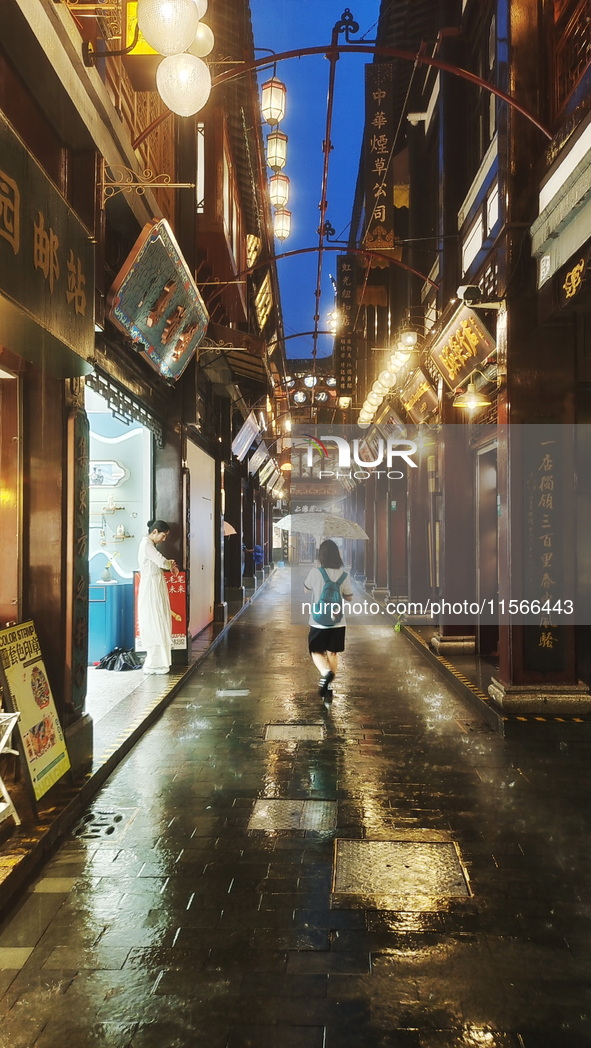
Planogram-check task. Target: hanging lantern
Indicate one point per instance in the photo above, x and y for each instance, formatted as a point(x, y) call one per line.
point(375, 399)
point(408, 338)
point(184, 83)
point(203, 43)
point(273, 100)
point(279, 189)
point(201, 6)
point(276, 150)
point(282, 223)
point(387, 378)
point(169, 26)
point(379, 389)
point(365, 416)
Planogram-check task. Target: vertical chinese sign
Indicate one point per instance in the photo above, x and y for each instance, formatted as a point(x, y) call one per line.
point(346, 301)
point(46, 266)
point(378, 146)
point(27, 691)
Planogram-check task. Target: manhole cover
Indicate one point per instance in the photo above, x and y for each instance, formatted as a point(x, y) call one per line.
point(294, 732)
point(104, 825)
point(293, 815)
point(398, 868)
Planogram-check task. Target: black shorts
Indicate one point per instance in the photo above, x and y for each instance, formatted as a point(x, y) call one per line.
point(331, 639)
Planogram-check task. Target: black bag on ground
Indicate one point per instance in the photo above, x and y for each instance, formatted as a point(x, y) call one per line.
point(120, 659)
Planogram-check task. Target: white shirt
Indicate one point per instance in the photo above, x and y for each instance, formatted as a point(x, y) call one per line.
point(315, 582)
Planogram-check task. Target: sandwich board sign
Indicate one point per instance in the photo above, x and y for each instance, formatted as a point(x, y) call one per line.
point(26, 691)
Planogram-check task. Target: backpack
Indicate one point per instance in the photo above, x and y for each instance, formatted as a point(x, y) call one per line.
point(329, 609)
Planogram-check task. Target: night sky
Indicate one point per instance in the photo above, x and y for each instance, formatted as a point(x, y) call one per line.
point(285, 25)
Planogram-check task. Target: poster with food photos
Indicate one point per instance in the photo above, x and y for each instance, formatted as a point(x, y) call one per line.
point(27, 691)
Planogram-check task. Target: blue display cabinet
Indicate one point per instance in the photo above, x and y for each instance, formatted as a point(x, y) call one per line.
point(111, 621)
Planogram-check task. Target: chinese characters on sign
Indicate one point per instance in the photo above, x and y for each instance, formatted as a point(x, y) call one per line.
point(27, 691)
point(177, 593)
point(46, 255)
point(346, 302)
point(463, 345)
point(379, 143)
point(418, 397)
point(156, 302)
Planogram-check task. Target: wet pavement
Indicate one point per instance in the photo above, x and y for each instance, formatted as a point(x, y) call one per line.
point(264, 871)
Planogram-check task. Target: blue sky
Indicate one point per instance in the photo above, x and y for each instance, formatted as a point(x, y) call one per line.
point(285, 25)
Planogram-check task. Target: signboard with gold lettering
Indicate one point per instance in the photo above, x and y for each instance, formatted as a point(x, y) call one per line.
point(378, 147)
point(572, 285)
point(155, 301)
point(418, 397)
point(27, 691)
point(46, 266)
point(462, 346)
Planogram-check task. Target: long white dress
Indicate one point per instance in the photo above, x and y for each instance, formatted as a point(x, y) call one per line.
point(153, 608)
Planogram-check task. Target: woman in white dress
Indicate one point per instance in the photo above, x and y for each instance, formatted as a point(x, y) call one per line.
point(154, 614)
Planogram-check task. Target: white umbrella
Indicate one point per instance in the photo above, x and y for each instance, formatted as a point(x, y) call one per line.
point(322, 526)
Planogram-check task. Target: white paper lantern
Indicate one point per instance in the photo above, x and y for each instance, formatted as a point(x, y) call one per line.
point(273, 94)
point(282, 223)
point(203, 43)
point(387, 378)
point(201, 6)
point(279, 189)
point(365, 416)
point(169, 26)
point(374, 399)
point(379, 389)
point(184, 83)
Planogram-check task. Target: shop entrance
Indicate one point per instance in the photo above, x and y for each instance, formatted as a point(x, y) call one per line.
point(120, 500)
point(201, 536)
point(486, 543)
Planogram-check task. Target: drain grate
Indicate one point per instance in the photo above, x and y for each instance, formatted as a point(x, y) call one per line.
point(104, 825)
point(411, 869)
point(293, 815)
point(294, 732)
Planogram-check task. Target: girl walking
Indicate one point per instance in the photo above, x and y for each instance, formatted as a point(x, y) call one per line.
point(326, 641)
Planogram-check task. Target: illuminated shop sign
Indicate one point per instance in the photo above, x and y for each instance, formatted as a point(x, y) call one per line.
point(155, 301)
point(418, 397)
point(463, 345)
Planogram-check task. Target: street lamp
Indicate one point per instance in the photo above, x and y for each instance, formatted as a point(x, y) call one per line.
point(472, 399)
point(273, 95)
point(203, 43)
point(282, 223)
point(169, 26)
point(279, 189)
point(276, 150)
point(184, 83)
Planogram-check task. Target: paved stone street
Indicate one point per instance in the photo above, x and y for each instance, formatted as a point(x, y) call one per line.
point(208, 904)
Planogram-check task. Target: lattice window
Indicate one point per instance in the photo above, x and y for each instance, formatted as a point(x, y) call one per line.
point(572, 33)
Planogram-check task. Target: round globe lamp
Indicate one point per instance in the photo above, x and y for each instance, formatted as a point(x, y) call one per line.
point(169, 26)
point(184, 83)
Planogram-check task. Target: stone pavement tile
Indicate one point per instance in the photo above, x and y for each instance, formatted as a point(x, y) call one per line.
point(21, 1031)
point(251, 1036)
point(280, 984)
point(329, 919)
point(199, 986)
point(263, 960)
point(14, 958)
point(151, 959)
point(61, 1032)
point(178, 1035)
point(290, 939)
point(467, 1036)
point(326, 962)
point(346, 1037)
point(554, 1037)
point(30, 920)
point(300, 1036)
point(74, 958)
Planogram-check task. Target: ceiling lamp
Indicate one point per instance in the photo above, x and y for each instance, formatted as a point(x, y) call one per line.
point(387, 378)
point(184, 83)
point(169, 26)
point(472, 399)
point(279, 189)
point(408, 338)
point(276, 150)
point(273, 100)
point(282, 223)
point(203, 43)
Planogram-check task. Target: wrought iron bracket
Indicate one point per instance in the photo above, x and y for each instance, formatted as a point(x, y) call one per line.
point(90, 57)
point(117, 178)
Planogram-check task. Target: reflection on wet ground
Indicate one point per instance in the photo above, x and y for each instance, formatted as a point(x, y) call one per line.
point(390, 873)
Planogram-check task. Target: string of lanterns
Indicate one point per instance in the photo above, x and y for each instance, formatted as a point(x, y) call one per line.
point(173, 28)
point(387, 378)
point(273, 95)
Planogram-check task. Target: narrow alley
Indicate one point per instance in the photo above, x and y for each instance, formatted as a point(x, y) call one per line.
point(265, 871)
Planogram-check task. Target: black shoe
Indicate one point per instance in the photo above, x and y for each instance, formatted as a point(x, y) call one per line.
point(323, 684)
